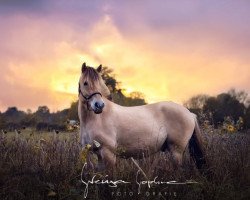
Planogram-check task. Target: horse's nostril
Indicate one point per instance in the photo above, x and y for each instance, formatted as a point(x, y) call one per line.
point(99, 105)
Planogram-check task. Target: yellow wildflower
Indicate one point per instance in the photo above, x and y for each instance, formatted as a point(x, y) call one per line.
point(231, 128)
point(85, 152)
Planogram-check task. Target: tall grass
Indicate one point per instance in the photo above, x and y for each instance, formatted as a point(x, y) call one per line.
point(47, 166)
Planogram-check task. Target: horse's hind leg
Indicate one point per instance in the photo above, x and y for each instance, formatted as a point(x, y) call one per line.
point(176, 153)
point(177, 157)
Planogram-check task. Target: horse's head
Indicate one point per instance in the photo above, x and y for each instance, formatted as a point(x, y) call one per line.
point(92, 88)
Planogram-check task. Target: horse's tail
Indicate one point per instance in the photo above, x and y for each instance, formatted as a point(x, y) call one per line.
point(196, 147)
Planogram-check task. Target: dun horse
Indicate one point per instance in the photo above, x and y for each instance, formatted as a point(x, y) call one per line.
point(163, 126)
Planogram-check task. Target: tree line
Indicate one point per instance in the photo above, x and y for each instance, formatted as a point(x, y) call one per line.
point(233, 105)
point(43, 119)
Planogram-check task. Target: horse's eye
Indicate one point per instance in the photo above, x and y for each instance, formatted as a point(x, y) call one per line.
point(85, 83)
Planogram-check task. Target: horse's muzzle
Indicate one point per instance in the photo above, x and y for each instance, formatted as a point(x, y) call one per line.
point(98, 111)
point(98, 107)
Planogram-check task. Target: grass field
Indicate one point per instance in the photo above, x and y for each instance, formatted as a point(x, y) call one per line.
point(47, 166)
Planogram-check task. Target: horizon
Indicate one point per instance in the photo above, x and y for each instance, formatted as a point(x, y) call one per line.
point(54, 111)
point(166, 50)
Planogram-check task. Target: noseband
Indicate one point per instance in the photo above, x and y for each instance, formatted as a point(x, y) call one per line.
point(87, 98)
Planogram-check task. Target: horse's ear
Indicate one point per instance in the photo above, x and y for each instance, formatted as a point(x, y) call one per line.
point(84, 66)
point(99, 69)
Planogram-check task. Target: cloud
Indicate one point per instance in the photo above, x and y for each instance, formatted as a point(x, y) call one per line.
point(218, 27)
point(167, 50)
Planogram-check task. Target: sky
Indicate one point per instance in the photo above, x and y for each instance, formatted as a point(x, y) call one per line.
point(168, 50)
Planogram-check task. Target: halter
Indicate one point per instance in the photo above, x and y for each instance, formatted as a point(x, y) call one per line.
point(87, 98)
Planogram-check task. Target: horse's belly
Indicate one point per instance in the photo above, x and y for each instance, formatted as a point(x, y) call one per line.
point(140, 142)
point(138, 154)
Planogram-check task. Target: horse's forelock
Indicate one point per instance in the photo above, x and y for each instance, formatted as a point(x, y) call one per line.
point(91, 74)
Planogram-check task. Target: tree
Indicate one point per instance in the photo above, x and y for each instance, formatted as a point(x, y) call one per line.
point(2, 121)
point(29, 119)
point(109, 79)
point(241, 96)
point(222, 106)
point(73, 111)
point(246, 118)
point(134, 99)
point(197, 102)
point(43, 110)
point(43, 114)
point(12, 114)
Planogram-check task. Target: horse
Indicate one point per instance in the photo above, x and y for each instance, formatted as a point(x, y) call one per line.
point(135, 131)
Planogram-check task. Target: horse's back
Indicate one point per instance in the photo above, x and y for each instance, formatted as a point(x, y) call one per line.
point(169, 110)
point(174, 111)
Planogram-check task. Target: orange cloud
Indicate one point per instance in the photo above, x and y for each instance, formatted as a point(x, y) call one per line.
point(173, 59)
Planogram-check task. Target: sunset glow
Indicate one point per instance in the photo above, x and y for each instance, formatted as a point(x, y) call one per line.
point(164, 49)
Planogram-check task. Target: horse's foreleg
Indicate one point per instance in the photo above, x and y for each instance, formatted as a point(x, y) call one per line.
point(100, 165)
point(108, 157)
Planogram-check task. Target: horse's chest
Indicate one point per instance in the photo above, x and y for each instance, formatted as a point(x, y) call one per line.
point(89, 135)
point(86, 136)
